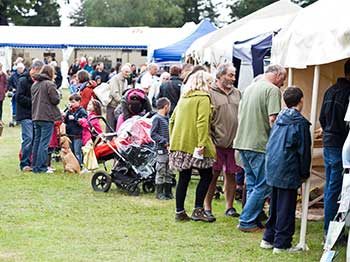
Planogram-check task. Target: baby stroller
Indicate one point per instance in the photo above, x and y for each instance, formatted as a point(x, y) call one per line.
point(134, 153)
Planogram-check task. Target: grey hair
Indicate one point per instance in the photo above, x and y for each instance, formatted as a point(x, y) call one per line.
point(125, 67)
point(151, 65)
point(222, 69)
point(275, 69)
point(37, 64)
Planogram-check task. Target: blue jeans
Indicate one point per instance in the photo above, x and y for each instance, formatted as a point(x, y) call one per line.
point(334, 179)
point(27, 142)
point(13, 104)
point(42, 135)
point(257, 189)
point(76, 146)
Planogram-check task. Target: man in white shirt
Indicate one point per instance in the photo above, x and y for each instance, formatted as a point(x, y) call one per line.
point(148, 78)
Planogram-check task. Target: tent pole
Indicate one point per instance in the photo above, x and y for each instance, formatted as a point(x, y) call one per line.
point(306, 187)
point(290, 76)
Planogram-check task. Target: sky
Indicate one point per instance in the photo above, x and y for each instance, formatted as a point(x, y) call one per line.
point(73, 4)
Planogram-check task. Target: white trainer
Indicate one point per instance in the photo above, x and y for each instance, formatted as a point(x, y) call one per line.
point(288, 250)
point(266, 245)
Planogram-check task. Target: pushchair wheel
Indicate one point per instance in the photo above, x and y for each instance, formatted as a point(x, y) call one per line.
point(133, 190)
point(148, 187)
point(101, 182)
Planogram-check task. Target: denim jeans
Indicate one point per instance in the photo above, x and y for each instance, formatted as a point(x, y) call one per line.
point(334, 179)
point(76, 146)
point(257, 189)
point(27, 142)
point(13, 105)
point(42, 135)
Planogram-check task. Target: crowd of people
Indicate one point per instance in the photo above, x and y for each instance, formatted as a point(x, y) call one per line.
point(201, 123)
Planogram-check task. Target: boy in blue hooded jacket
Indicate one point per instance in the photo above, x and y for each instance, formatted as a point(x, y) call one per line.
point(288, 159)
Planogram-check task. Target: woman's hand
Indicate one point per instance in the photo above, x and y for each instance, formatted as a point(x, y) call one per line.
point(200, 150)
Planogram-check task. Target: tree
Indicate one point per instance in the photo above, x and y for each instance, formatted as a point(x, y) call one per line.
point(196, 10)
point(46, 14)
point(209, 10)
point(119, 13)
point(243, 8)
point(29, 12)
point(191, 10)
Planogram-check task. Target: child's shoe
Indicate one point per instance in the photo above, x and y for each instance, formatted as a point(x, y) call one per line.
point(159, 192)
point(287, 250)
point(167, 191)
point(84, 171)
point(266, 245)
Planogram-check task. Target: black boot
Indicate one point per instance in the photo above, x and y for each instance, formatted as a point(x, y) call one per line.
point(167, 191)
point(159, 191)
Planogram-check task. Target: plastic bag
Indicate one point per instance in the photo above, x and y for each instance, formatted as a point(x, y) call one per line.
point(90, 160)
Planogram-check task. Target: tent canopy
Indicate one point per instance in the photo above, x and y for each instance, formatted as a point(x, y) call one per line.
point(175, 51)
point(217, 46)
point(319, 34)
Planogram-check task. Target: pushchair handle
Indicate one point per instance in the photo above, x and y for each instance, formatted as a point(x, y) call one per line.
point(103, 119)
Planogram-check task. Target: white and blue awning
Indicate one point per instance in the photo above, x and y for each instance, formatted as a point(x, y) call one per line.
point(83, 37)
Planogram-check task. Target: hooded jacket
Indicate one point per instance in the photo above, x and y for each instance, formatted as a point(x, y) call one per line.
point(288, 151)
point(45, 99)
point(24, 97)
point(334, 106)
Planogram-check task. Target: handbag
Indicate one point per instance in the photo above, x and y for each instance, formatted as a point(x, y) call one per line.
point(103, 92)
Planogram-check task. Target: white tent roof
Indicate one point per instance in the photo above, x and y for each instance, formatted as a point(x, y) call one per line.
point(89, 37)
point(319, 34)
point(216, 47)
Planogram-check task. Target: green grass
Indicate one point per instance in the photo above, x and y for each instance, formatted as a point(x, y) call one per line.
point(58, 217)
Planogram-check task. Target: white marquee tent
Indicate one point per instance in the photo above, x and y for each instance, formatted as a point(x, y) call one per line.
point(314, 47)
point(68, 38)
point(216, 47)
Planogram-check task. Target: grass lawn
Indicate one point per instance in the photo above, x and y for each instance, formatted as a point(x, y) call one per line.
point(58, 217)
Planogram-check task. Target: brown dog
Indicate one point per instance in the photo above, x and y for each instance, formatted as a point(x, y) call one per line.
point(70, 162)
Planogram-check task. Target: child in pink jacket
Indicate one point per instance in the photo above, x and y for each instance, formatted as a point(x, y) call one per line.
point(94, 109)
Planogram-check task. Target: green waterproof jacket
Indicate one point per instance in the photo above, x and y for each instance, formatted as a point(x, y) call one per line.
point(190, 124)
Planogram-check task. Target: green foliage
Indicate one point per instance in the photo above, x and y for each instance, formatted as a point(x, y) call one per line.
point(209, 10)
point(29, 12)
point(243, 8)
point(156, 13)
point(120, 13)
point(191, 10)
